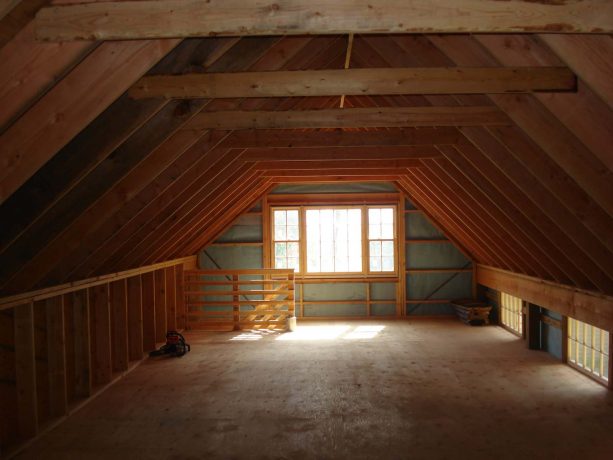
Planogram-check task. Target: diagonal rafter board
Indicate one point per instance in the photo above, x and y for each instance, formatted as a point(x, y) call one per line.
point(505, 226)
point(170, 18)
point(30, 68)
point(590, 58)
point(351, 118)
point(545, 129)
point(384, 81)
point(15, 18)
point(491, 187)
point(588, 306)
point(457, 214)
point(469, 212)
point(71, 105)
point(586, 114)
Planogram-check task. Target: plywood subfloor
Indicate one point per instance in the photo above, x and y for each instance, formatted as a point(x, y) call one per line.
point(428, 389)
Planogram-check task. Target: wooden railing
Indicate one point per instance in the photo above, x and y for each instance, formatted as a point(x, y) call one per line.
point(239, 299)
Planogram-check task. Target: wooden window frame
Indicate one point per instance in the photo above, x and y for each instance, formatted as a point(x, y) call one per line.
point(364, 201)
point(273, 240)
point(581, 368)
point(520, 333)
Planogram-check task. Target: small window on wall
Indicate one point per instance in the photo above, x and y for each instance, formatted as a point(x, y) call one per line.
point(286, 238)
point(588, 349)
point(381, 239)
point(511, 313)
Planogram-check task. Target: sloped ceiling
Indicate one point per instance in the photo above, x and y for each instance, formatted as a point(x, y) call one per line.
point(115, 182)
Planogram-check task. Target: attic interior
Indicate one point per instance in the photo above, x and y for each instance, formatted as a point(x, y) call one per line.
point(384, 228)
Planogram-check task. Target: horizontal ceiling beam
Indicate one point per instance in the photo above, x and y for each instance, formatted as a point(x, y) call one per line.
point(384, 81)
point(381, 171)
point(379, 117)
point(341, 153)
point(332, 162)
point(191, 18)
point(285, 138)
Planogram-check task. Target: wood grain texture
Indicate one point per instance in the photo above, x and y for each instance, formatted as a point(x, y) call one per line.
point(74, 102)
point(353, 118)
point(443, 80)
point(151, 19)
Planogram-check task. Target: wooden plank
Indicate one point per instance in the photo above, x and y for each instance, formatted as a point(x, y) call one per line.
point(41, 294)
point(589, 57)
point(15, 19)
point(135, 318)
point(160, 306)
point(150, 19)
point(148, 295)
point(340, 153)
point(588, 306)
point(359, 82)
point(82, 343)
point(171, 307)
point(41, 351)
point(276, 138)
point(356, 117)
point(119, 325)
point(180, 297)
point(100, 333)
point(31, 68)
point(347, 172)
point(25, 371)
point(56, 357)
point(71, 105)
point(323, 165)
point(6, 6)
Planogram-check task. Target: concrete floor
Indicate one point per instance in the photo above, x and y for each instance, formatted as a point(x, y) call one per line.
point(429, 389)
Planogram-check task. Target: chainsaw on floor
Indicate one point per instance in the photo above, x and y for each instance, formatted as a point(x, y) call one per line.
point(175, 346)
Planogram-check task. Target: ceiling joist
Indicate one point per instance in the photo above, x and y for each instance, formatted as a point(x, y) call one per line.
point(190, 18)
point(380, 117)
point(356, 82)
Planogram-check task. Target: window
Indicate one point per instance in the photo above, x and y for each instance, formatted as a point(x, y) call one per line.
point(381, 239)
point(334, 239)
point(511, 312)
point(588, 349)
point(286, 238)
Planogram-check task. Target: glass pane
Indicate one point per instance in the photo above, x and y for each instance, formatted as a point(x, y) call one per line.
point(387, 264)
point(571, 350)
point(292, 232)
point(587, 332)
point(342, 264)
point(588, 358)
point(580, 354)
point(292, 250)
point(572, 328)
point(292, 262)
point(280, 262)
point(355, 264)
point(387, 248)
point(597, 360)
point(375, 248)
point(387, 231)
point(579, 331)
point(327, 261)
point(375, 264)
point(354, 222)
point(279, 218)
point(280, 233)
point(605, 367)
point(292, 217)
point(374, 232)
point(326, 224)
point(355, 248)
point(605, 342)
point(596, 339)
point(374, 216)
point(387, 216)
point(280, 250)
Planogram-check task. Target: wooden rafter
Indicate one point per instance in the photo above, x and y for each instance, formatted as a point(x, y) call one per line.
point(442, 80)
point(169, 18)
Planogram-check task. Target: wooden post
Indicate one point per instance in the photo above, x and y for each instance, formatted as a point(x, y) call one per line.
point(533, 326)
point(148, 298)
point(160, 306)
point(56, 357)
point(235, 306)
point(82, 344)
point(119, 325)
point(171, 307)
point(401, 237)
point(564, 328)
point(135, 318)
point(180, 298)
point(100, 333)
point(290, 297)
point(25, 371)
